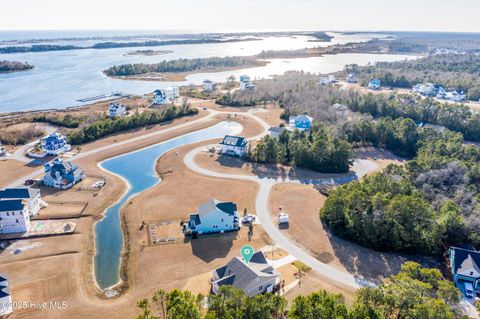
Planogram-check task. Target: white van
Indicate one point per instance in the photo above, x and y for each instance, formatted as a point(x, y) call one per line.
point(468, 289)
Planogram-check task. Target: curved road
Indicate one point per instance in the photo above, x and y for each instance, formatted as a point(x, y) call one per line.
point(360, 167)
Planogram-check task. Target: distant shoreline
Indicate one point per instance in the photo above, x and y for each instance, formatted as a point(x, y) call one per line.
point(147, 52)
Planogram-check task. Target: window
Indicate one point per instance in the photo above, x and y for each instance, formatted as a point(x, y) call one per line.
point(260, 288)
point(222, 220)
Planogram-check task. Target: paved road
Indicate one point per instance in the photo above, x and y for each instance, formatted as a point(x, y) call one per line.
point(361, 167)
point(20, 181)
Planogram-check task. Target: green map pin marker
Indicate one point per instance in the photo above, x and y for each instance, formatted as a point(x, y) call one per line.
point(247, 253)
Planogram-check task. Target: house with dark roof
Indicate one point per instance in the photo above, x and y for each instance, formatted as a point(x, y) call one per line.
point(233, 145)
point(17, 205)
point(117, 110)
point(214, 217)
point(465, 265)
point(62, 174)
point(55, 144)
point(6, 306)
point(30, 195)
point(255, 277)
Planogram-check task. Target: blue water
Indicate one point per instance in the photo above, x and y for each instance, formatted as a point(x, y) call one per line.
point(138, 168)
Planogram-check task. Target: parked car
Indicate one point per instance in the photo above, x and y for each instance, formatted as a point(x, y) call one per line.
point(282, 218)
point(468, 289)
point(249, 219)
point(30, 182)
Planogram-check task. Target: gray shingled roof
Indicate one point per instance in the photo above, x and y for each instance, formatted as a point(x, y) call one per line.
point(465, 260)
point(213, 204)
point(244, 276)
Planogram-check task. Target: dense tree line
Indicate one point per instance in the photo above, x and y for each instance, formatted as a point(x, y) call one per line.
point(234, 99)
point(38, 48)
point(414, 293)
point(110, 45)
point(454, 117)
point(429, 204)
point(454, 71)
point(321, 149)
point(11, 66)
point(68, 120)
point(180, 65)
point(106, 126)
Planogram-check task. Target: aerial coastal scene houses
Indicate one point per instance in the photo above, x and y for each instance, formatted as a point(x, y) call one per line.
point(246, 84)
point(301, 122)
point(55, 144)
point(233, 145)
point(17, 205)
point(116, 110)
point(62, 174)
point(165, 96)
point(436, 90)
point(209, 85)
point(214, 216)
point(255, 277)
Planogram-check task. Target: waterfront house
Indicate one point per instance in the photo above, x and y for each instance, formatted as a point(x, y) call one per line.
point(374, 84)
point(55, 144)
point(159, 97)
point(465, 266)
point(233, 145)
point(255, 277)
point(117, 110)
point(301, 122)
point(214, 217)
point(6, 305)
point(351, 78)
point(62, 174)
point(209, 85)
point(30, 195)
point(246, 84)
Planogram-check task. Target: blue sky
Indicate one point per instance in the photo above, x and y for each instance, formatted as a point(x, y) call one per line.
point(239, 15)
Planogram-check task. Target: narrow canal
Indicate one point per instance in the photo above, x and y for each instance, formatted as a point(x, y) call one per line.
point(138, 169)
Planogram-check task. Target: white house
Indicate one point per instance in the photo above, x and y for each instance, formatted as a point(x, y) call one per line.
point(14, 215)
point(209, 85)
point(159, 97)
point(117, 110)
point(6, 305)
point(167, 95)
point(28, 194)
point(233, 145)
point(17, 205)
point(352, 78)
point(214, 217)
point(55, 144)
point(246, 84)
point(301, 122)
point(255, 277)
point(62, 175)
point(327, 79)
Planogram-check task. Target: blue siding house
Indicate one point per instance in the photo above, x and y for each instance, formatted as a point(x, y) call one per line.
point(374, 84)
point(55, 144)
point(214, 217)
point(301, 122)
point(465, 265)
